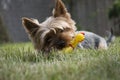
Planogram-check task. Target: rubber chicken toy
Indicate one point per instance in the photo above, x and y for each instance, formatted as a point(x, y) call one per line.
point(78, 38)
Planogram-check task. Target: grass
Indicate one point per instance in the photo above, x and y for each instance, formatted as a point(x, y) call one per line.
point(21, 62)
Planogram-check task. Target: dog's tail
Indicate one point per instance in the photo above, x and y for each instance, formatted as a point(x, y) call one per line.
point(111, 37)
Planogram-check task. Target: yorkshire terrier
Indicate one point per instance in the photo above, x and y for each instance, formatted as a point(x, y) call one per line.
point(55, 32)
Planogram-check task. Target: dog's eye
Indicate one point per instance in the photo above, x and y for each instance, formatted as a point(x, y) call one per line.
point(61, 31)
point(67, 29)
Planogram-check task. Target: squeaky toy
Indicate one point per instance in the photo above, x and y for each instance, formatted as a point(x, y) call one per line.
point(79, 37)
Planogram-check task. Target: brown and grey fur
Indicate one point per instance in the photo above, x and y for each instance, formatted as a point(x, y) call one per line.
point(54, 33)
point(94, 41)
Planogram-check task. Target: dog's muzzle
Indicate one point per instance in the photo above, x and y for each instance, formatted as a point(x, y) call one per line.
point(60, 44)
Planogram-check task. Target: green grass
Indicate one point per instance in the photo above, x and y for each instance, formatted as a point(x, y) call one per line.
point(21, 62)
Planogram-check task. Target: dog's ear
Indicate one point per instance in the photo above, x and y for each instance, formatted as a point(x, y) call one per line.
point(31, 25)
point(60, 9)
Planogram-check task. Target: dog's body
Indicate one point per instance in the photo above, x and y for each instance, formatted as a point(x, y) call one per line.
point(94, 41)
point(54, 33)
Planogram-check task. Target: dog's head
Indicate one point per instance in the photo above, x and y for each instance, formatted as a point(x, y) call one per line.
point(56, 32)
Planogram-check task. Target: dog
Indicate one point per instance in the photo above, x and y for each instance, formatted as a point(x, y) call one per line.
point(94, 41)
point(55, 33)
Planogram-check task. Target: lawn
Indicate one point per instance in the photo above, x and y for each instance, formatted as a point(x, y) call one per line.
point(20, 62)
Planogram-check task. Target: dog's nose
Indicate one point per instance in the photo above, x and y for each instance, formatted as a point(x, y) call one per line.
point(61, 43)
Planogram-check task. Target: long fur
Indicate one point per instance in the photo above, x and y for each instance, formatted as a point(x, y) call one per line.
point(94, 41)
point(54, 33)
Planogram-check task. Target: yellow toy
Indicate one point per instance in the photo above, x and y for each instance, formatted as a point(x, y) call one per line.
point(78, 38)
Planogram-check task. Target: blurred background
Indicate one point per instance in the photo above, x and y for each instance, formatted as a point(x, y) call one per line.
point(97, 16)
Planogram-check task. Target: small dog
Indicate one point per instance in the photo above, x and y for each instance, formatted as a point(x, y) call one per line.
point(54, 33)
point(94, 41)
